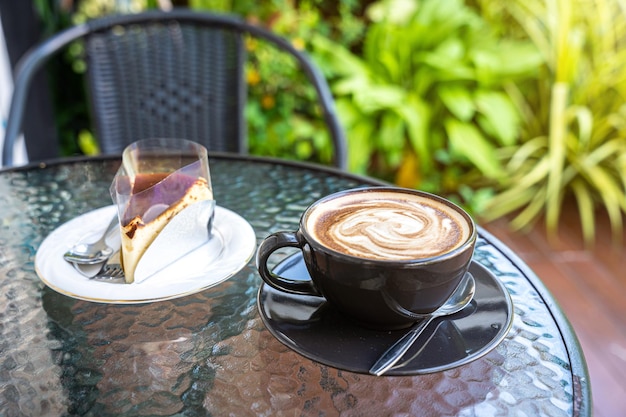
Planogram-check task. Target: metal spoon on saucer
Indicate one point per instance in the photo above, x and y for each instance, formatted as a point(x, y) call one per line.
point(92, 253)
point(460, 298)
point(88, 270)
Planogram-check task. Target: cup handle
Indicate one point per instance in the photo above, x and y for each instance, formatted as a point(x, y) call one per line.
point(269, 245)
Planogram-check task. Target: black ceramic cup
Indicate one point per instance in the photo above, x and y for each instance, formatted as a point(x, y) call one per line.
point(372, 252)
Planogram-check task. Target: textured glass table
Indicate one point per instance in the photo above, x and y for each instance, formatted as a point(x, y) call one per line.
point(210, 353)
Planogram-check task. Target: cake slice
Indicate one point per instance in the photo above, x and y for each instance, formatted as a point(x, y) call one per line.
point(157, 208)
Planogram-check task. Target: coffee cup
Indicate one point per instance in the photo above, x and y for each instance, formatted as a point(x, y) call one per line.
point(379, 255)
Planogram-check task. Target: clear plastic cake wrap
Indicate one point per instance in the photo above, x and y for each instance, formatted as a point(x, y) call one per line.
point(165, 204)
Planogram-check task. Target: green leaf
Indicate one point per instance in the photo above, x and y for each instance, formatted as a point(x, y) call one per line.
point(391, 64)
point(620, 167)
point(443, 18)
point(467, 141)
point(506, 60)
point(379, 97)
point(500, 116)
point(584, 120)
point(532, 210)
point(348, 112)
point(612, 196)
point(603, 153)
point(451, 49)
point(524, 152)
point(361, 147)
point(538, 173)
point(351, 85)
point(608, 188)
point(417, 115)
point(585, 209)
point(557, 151)
point(391, 134)
point(395, 11)
point(447, 72)
point(87, 143)
point(508, 202)
point(457, 100)
point(332, 56)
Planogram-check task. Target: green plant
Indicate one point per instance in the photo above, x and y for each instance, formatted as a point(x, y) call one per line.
point(574, 115)
point(425, 104)
point(282, 118)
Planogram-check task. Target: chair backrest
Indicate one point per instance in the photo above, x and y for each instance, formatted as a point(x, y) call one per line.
point(167, 74)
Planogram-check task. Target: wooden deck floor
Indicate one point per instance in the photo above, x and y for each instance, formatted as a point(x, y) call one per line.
point(590, 286)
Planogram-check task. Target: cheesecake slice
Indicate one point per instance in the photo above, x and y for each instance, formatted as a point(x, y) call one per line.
point(152, 210)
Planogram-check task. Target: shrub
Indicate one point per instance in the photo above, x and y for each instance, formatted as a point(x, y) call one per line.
point(426, 103)
point(573, 114)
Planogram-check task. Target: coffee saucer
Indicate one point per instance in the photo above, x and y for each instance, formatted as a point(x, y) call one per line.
point(230, 248)
point(313, 328)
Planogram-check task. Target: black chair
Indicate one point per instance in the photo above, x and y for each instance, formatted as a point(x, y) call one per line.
point(166, 74)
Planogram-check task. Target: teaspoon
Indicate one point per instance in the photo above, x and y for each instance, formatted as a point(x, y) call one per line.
point(92, 253)
point(460, 298)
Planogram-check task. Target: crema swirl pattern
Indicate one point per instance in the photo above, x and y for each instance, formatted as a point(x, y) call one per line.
point(393, 229)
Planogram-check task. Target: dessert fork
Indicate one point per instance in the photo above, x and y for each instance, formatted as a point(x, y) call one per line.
point(111, 273)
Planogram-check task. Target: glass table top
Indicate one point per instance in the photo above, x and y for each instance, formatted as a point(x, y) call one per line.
point(209, 353)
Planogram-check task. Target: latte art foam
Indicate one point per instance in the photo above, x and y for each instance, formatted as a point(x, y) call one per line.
point(389, 226)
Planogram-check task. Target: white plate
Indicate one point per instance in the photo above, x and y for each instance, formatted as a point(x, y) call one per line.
point(233, 239)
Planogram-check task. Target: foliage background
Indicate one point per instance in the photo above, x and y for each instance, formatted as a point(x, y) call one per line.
point(509, 108)
point(573, 143)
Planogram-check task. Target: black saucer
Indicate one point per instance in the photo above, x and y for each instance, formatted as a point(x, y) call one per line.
point(313, 328)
